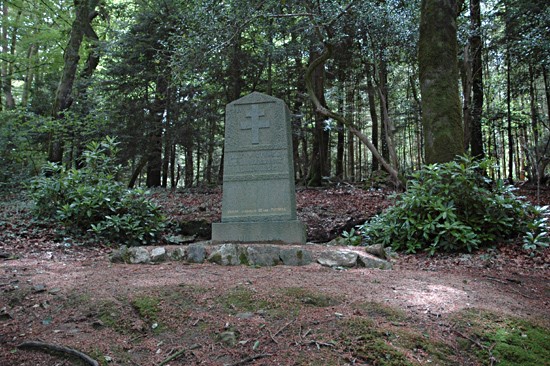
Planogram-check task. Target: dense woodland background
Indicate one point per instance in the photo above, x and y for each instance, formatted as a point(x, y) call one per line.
point(157, 74)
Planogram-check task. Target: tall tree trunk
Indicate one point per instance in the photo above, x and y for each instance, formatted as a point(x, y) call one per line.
point(371, 92)
point(546, 89)
point(210, 157)
point(466, 81)
point(509, 118)
point(437, 56)
point(8, 49)
point(154, 161)
point(29, 76)
point(319, 160)
point(383, 93)
point(85, 11)
point(476, 132)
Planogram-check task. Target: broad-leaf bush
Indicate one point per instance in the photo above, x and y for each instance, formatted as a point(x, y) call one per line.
point(453, 207)
point(90, 199)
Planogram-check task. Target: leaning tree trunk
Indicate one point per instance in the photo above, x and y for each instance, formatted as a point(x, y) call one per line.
point(437, 57)
point(320, 108)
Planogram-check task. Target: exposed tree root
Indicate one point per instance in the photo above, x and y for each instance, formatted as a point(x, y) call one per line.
point(56, 350)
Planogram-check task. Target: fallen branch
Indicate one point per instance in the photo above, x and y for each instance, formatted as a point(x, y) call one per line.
point(173, 357)
point(249, 359)
point(53, 348)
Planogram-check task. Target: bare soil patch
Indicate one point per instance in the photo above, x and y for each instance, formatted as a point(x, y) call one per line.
point(62, 293)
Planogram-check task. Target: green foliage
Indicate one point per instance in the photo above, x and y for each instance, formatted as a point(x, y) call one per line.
point(352, 237)
point(91, 199)
point(454, 207)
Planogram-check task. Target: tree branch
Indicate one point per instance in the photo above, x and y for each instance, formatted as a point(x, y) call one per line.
point(325, 55)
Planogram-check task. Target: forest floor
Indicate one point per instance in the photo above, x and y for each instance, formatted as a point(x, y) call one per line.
point(474, 309)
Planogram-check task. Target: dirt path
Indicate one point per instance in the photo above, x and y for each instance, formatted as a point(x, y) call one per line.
point(92, 305)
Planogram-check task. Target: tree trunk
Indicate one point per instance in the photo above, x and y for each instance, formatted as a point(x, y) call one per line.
point(320, 108)
point(154, 161)
point(466, 81)
point(437, 56)
point(383, 93)
point(373, 115)
point(319, 160)
point(8, 48)
point(476, 133)
point(509, 118)
point(29, 76)
point(84, 14)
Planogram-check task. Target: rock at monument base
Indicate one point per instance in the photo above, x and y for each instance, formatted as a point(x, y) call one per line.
point(377, 250)
point(338, 258)
point(138, 255)
point(177, 254)
point(228, 255)
point(295, 257)
point(288, 232)
point(370, 261)
point(263, 256)
point(120, 255)
point(196, 253)
point(158, 255)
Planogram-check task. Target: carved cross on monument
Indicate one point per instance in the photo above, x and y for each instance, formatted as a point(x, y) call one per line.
point(255, 123)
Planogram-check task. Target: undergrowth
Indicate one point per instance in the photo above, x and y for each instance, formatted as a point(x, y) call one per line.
point(454, 207)
point(90, 199)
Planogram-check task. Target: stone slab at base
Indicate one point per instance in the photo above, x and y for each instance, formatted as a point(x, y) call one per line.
point(288, 232)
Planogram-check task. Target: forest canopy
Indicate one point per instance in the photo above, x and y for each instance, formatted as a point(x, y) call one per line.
point(356, 75)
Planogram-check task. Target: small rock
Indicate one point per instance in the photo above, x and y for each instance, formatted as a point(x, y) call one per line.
point(138, 255)
point(228, 338)
point(39, 288)
point(196, 253)
point(370, 261)
point(295, 257)
point(226, 255)
point(158, 255)
point(120, 255)
point(245, 315)
point(339, 258)
point(376, 250)
point(177, 254)
point(263, 256)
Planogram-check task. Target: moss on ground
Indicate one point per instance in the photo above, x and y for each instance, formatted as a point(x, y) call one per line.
point(307, 297)
point(240, 299)
point(503, 339)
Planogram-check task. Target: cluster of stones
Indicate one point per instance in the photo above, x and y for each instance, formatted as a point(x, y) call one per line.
point(249, 254)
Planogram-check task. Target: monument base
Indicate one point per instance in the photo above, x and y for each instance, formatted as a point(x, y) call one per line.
point(288, 232)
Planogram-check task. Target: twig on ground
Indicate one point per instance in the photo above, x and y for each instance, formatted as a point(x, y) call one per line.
point(249, 359)
point(471, 340)
point(53, 348)
point(320, 344)
point(284, 327)
point(522, 294)
point(181, 352)
point(272, 337)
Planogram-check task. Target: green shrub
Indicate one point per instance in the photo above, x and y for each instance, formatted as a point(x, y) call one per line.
point(91, 199)
point(454, 207)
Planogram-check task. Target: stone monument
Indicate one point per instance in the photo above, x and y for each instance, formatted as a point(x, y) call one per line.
point(259, 203)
